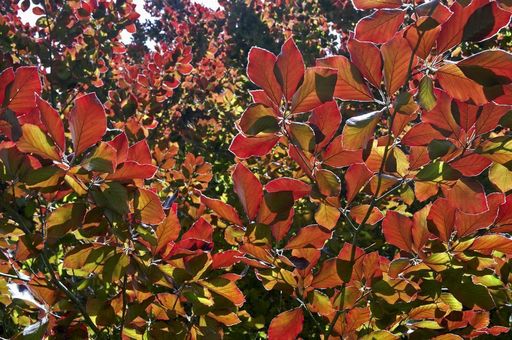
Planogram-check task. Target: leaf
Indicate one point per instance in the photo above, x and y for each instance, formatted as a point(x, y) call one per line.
point(376, 4)
point(366, 57)
point(466, 224)
point(396, 55)
point(421, 134)
point(167, 231)
point(113, 196)
point(426, 95)
point(289, 68)
point(478, 21)
point(131, 170)
point(63, 219)
point(380, 26)
point(325, 121)
point(87, 122)
point(349, 84)
point(328, 183)
point(488, 243)
point(249, 190)
point(120, 143)
point(103, 159)
point(312, 236)
point(34, 140)
point(501, 177)
point(442, 215)
point(298, 188)
point(260, 70)
point(245, 147)
point(317, 89)
point(51, 120)
point(337, 156)
point(397, 230)
point(468, 196)
point(225, 288)
point(327, 215)
point(21, 94)
point(222, 209)
point(139, 152)
point(287, 325)
point(302, 136)
point(148, 207)
point(359, 130)
point(356, 177)
point(457, 85)
point(422, 36)
point(471, 165)
point(258, 119)
point(358, 213)
point(226, 259)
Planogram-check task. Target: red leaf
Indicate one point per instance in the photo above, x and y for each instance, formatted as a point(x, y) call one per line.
point(366, 57)
point(289, 68)
point(139, 152)
point(312, 236)
point(298, 188)
point(226, 259)
point(120, 143)
point(222, 209)
point(260, 70)
point(87, 122)
point(356, 177)
point(22, 91)
point(337, 156)
point(375, 4)
point(421, 134)
point(51, 120)
point(200, 230)
point(471, 165)
point(442, 215)
point(245, 147)
point(325, 121)
point(468, 196)
point(380, 26)
point(349, 84)
point(249, 190)
point(396, 55)
point(6, 78)
point(466, 224)
point(287, 325)
point(479, 20)
point(132, 170)
point(397, 230)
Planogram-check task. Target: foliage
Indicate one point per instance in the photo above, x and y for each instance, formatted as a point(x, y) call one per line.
point(356, 189)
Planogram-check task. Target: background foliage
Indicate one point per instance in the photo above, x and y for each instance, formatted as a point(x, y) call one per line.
point(313, 168)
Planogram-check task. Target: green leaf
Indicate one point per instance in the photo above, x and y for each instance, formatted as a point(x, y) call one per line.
point(426, 95)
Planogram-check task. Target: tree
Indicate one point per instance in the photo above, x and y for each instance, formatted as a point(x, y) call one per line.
point(354, 174)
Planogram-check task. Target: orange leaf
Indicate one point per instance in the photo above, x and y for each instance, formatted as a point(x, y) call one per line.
point(148, 205)
point(287, 325)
